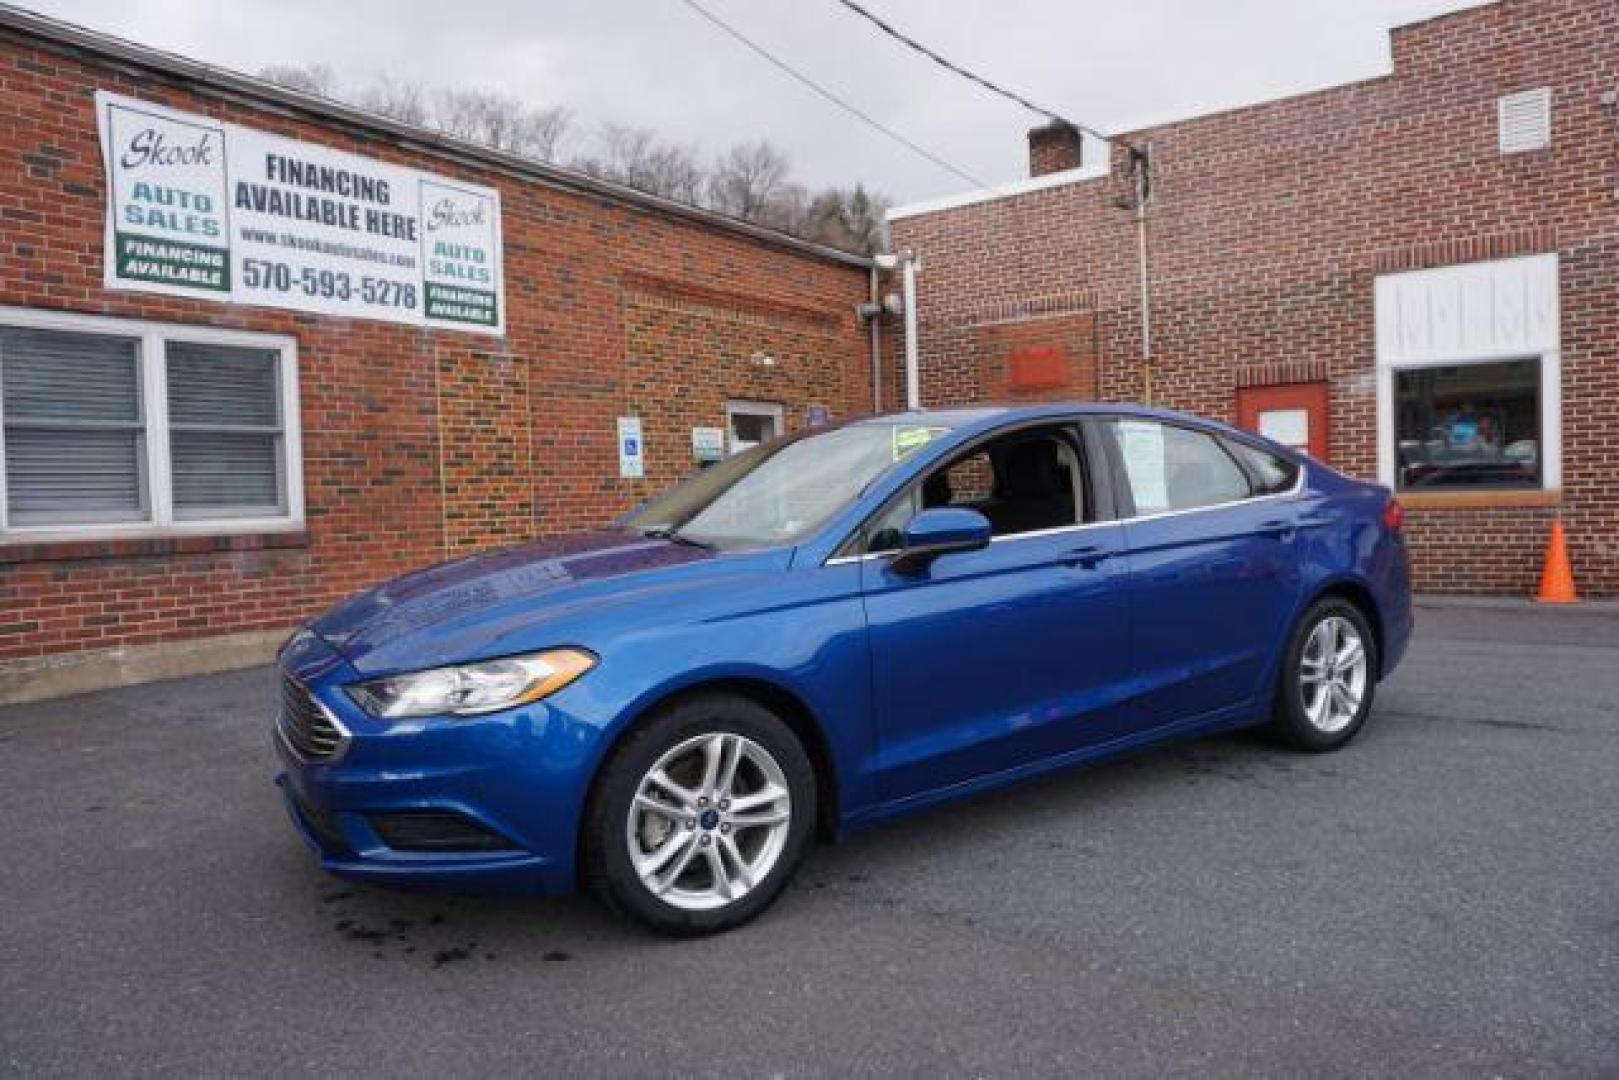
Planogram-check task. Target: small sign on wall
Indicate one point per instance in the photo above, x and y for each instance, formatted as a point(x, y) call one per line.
point(1038, 367)
point(707, 444)
point(631, 448)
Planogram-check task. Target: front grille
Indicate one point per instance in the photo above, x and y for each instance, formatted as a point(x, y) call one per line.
point(435, 830)
point(306, 725)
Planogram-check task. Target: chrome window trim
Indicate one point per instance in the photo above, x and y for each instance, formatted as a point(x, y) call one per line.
point(1291, 493)
point(1296, 489)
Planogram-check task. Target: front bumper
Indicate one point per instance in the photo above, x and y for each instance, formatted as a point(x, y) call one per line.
point(349, 847)
point(516, 779)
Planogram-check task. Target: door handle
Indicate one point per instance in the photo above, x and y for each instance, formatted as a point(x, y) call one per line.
point(1088, 557)
point(1278, 530)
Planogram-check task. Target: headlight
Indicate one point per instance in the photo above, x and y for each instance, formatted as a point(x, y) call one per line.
point(487, 686)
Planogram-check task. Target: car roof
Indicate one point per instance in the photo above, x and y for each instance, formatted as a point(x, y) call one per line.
point(993, 416)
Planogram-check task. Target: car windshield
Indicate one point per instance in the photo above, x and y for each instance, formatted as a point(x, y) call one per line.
point(782, 491)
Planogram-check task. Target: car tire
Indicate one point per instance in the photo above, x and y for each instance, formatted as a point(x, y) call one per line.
point(1322, 676)
point(633, 812)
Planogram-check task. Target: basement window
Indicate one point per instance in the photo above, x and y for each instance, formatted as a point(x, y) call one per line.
point(1469, 426)
point(111, 428)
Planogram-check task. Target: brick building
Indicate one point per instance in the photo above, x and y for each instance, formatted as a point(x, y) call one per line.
point(186, 477)
point(1415, 276)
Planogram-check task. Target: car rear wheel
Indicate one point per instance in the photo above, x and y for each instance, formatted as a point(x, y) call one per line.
point(701, 816)
point(1328, 677)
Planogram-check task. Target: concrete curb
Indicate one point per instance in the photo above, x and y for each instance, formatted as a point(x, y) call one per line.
point(1512, 603)
point(103, 669)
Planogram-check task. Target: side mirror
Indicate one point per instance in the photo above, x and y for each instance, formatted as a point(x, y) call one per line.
point(943, 531)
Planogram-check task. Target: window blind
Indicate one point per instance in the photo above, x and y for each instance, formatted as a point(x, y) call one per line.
point(224, 430)
point(74, 427)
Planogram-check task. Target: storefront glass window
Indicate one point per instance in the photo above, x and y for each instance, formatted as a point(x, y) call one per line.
point(1469, 426)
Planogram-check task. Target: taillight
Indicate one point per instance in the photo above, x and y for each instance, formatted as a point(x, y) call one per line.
point(1393, 516)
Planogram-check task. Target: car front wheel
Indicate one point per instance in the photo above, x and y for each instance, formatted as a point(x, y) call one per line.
point(1328, 677)
point(701, 816)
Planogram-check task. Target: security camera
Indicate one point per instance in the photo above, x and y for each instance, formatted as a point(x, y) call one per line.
point(886, 260)
point(894, 304)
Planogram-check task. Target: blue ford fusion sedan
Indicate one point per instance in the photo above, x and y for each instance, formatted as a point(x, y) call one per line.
point(828, 631)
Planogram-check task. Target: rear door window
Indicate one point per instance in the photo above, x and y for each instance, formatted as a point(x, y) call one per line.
point(1272, 474)
point(1168, 468)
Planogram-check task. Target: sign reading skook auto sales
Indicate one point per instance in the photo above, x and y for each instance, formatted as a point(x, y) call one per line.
point(206, 209)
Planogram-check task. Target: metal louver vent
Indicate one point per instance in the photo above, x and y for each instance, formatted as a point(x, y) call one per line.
point(1526, 121)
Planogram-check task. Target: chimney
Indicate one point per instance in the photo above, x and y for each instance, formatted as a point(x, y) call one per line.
point(1055, 147)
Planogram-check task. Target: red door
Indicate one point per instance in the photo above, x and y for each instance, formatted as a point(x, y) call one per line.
point(1293, 414)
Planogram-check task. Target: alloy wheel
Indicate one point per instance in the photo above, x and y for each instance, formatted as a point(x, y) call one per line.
point(709, 821)
point(1332, 674)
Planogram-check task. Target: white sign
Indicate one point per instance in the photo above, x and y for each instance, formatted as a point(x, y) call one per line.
point(707, 443)
point(1142, 445)
point(1290, 427)
point(631, 450)
point(201, 208)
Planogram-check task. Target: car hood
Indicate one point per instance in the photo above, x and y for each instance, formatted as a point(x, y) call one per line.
point(497, 602)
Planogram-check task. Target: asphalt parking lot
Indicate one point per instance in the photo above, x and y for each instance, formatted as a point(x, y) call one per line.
point(1440, 898)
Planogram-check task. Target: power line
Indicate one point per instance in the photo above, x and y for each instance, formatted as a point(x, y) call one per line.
point(787, 69)
point(957, 69)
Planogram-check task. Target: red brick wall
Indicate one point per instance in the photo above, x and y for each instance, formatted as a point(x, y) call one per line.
point(1270, 223)
point(417, 444)
point(763, 351)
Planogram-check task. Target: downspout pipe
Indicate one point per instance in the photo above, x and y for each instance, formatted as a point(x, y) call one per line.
point(913, 371)
point(1141, 166)
point(874, 328)
point(1146, 305)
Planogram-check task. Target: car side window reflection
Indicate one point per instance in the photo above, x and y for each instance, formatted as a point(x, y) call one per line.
point(1273, 474)
point(1174, 468)
point(1023, 482)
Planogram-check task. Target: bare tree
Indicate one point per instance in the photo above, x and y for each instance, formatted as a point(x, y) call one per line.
point(395, 98)
point(309, 78)
point(502, 122)
point(752, 180)
point(747, 179)
point(847, 218)
point(786, 208)
point(638, 158)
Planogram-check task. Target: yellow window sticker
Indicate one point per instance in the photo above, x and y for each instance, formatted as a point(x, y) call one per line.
point(908, 440)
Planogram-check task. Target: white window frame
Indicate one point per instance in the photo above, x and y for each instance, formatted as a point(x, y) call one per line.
point(739, 407)
point(151, 339)
point(1475, 313)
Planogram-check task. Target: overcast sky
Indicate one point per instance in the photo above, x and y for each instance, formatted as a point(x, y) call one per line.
point(1108, 63)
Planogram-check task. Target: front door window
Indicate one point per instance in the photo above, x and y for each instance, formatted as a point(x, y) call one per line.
point(1027, 482)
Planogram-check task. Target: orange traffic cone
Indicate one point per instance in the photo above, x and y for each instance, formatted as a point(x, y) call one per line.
point(1557, 580)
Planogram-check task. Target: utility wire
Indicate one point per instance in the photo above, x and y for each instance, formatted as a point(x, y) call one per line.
point(798, 76)
point(950, 65)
